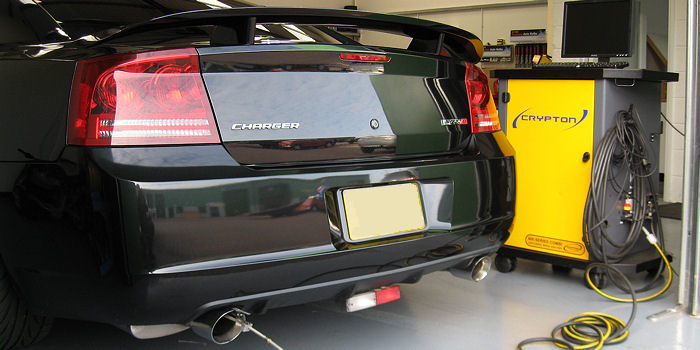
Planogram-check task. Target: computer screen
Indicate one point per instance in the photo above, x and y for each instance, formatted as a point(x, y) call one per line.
point(597, 28)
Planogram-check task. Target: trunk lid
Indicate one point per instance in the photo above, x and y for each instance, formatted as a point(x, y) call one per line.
point(289, 104)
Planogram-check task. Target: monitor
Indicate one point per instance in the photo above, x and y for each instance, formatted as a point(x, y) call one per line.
point(597, 28)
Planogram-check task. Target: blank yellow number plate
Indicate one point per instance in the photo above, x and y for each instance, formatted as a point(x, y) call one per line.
point(373, 212)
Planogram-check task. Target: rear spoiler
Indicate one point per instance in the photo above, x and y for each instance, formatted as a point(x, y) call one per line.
point(243, 20)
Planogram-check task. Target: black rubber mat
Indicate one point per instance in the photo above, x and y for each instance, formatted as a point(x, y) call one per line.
point(671, 210)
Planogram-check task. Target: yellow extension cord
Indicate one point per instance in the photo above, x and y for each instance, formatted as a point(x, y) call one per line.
point(603, 324)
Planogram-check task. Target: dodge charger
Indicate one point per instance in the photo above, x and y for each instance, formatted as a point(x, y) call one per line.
point(147, 180)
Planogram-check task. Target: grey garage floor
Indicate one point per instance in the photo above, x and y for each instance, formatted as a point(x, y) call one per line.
point(440, 312)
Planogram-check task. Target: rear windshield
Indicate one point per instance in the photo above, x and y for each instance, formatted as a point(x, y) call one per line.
point(288, 33)
point(83, 17)
point(24, 22)
point(283, 33)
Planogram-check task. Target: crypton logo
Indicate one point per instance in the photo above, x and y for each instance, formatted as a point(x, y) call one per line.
point(550, 119)
point(264, 126)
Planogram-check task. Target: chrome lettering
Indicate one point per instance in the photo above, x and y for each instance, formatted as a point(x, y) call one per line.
point(265, 126)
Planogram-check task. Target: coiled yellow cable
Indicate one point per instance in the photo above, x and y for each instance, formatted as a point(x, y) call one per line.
point(606, 329)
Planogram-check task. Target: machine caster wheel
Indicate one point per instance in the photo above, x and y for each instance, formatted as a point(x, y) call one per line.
point(599, 279)
point(561, 270)
point(505, 264)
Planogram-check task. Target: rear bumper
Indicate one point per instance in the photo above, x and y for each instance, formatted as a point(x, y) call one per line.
point(342, 286)
point(181, 297)
point(162, 242)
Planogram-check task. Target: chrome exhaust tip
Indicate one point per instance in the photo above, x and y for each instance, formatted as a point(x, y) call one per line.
point(220, 327)
point(481, 268)
point(475, 269)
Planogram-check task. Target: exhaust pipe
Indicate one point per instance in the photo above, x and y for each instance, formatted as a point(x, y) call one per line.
point(220, 327)
point(223, 326)
point(476, 269)
point(481, 268)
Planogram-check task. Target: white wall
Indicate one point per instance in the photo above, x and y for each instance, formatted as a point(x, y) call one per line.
point(498, 21)
point(488, 19)
point(555, 28)
point(469, 20)
point(675, 107)
point(488, 23)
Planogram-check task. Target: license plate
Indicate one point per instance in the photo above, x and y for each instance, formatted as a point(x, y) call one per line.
point(373, 212)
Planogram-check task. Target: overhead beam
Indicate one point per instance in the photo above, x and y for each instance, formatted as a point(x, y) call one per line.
point(403, 7)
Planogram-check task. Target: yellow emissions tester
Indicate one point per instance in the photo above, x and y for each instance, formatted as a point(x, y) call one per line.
point(586, 157)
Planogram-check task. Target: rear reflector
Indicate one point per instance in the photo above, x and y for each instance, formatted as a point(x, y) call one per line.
point(387, 294)
point(361, 57)
point(370, 299)
point(481, 105)
point(140, 99)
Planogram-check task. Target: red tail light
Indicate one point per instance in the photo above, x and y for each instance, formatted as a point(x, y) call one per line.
point(481, 105)
point(364, 57)
point(140, 99)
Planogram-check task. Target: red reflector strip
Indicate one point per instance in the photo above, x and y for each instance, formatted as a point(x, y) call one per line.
point(387, 294)
point(364, 57)
point(372, 298)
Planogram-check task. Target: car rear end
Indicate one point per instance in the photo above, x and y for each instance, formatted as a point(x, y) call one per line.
point(191, 202)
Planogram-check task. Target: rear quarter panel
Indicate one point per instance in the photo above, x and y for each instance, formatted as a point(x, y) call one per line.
point(33, 108)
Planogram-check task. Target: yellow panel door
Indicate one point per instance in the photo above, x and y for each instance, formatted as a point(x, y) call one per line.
point(550, 125)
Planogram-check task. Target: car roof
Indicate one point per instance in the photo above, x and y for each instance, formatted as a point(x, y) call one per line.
point(84, 17)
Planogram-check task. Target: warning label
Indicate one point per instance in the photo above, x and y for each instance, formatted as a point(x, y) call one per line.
point(554, 244)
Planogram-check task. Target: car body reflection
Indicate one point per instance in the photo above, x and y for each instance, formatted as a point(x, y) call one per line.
point(370, 143)
point(311, 143)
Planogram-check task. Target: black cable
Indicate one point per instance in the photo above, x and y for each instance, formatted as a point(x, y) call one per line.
point(557, 342)
point(621, 153)
point(671, 124)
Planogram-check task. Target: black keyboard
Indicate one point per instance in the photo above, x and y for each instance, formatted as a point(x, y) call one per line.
point(581, 65)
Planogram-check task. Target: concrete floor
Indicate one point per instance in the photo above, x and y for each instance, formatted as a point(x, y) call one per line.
point(439, 312)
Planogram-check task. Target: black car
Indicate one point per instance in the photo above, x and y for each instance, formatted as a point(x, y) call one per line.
point(138, 186)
